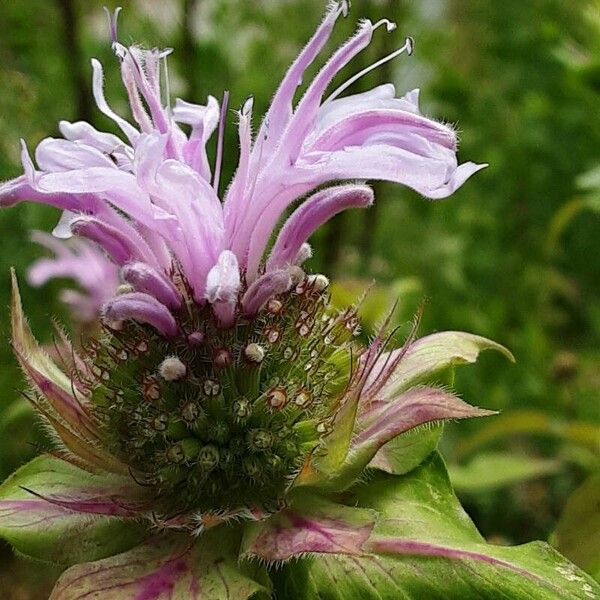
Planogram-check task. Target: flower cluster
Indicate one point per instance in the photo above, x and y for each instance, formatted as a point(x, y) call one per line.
point(223, 388)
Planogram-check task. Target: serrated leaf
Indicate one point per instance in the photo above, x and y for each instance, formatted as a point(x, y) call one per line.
point(425, 546)
point(168, 567)
point(54, 511)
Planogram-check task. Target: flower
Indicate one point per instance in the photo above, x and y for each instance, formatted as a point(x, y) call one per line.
point(227, 410)
point(84, 263)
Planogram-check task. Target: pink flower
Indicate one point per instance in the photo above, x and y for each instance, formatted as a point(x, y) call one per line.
point(150, 201)
point(86, 265)
point(227, 411)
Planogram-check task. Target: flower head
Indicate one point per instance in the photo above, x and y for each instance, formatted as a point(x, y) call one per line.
point(224, 387)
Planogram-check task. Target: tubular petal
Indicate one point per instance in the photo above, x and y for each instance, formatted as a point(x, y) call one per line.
point(145, 279)
point(313, 213)
point(144, 309)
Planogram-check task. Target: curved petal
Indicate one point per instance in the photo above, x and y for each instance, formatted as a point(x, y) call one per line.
point(311, 214)
point(145, 279)
point(263, 289)
point(144, 309)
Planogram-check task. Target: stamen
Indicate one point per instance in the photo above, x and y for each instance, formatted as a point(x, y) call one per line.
point(246, 109)
point(407, 47)
point(163, 55)
point(389, 25)
point(219, 157)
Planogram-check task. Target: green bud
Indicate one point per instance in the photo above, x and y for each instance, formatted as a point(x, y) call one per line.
point(219, 432)
point(260, 439)
point(252, 467)
point(241, 409)
point(177, 430)
point(208, 457)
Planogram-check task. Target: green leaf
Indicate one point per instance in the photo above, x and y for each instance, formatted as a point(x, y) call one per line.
point(38, 505)
point(494, 470)
point(169, 567)
point(577, 534)
point(407, 451)
point(425, 546)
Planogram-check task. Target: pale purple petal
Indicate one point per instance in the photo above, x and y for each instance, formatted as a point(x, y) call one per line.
point(435, 177)
point(315, 211)
point(98, 90)
point(305, 114)
point(234, 199)
point(82, 262)
point(145, 279)
point(281, 109)
point(222, 287)
point(144, 309)
point(118, 246)
point(263, 289)
point(83, 132)
point(203, 120)
point(62, 155)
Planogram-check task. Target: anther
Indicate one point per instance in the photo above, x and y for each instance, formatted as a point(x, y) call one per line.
point(277, 398)
point(190, 412)
point(260, 439)
point(241, 409)
point(303, 398)
point(318, 282)
point(274, 306)
point(273, 334)
point(160, 422)
point(254, 353)
point(150, 389)
point(222, 358)
point(124, 288)
point(211, 387)
point(297, 275)
point(208, 457)
point(171, 369)
point(196, 338)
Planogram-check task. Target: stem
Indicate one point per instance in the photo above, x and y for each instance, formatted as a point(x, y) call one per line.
point(73, 57)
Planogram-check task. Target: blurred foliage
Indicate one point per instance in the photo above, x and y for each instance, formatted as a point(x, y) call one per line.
point(577, 534)
point(512, 256)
